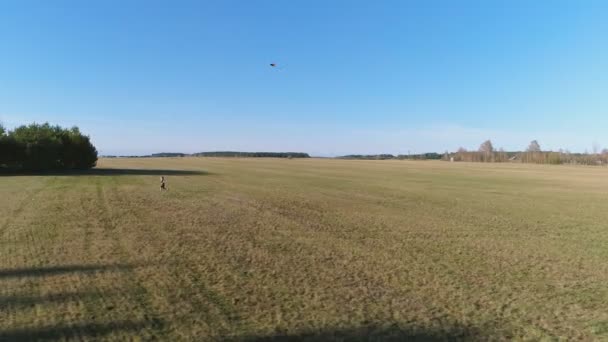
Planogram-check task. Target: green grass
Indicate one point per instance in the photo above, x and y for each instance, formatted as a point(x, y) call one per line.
point(266, 249)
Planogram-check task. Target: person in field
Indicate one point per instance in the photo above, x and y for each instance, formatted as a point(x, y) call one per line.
point(163, 185)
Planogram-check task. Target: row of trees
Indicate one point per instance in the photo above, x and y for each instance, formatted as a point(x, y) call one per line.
point(38, 147)
point(368, 156)
point(252, 154)
point(421, 156)
point(533, 154)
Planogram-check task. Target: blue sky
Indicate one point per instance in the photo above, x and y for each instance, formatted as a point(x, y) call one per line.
point(352, 76)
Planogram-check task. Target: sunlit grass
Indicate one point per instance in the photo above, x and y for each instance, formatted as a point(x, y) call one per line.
point(305, 249)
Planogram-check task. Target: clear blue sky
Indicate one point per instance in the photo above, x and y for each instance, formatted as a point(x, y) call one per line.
point(352, 76)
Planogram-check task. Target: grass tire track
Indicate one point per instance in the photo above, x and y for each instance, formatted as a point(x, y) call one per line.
point(23, 204)
point(140, 293)
point(212, 299)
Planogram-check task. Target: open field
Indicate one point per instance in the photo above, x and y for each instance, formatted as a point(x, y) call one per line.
point(263, 249)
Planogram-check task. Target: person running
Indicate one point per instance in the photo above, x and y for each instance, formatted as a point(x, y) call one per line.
point(163, 185)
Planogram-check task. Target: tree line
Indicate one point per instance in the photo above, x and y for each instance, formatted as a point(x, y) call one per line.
point(40, 147)
point(252, 154)
point(230, 154)
point(489, 154)
point(421, 156)
point(533, 154)
point(37, 147)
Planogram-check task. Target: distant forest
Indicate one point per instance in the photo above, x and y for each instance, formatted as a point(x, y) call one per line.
point(422, 156)
point(253, 154)
point(223, 154)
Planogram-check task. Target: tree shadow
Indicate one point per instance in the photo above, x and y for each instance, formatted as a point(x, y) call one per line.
point(108, 172)
point(24, 301)
point(88, 330)
point(376, 333)
point(54, 270)
point(75, 331)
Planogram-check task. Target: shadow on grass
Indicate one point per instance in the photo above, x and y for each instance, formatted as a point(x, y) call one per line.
point(77, 331)
point(375, 333)
point(53, 270)
point(87, 330)
point(24, 301)
point(108, 172)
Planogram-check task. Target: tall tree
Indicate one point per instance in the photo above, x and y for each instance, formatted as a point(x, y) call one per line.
point(534, 146)
point(487, 151)
point(486, 147)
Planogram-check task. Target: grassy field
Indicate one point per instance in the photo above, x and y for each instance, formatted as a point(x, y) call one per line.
point(266, 249)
